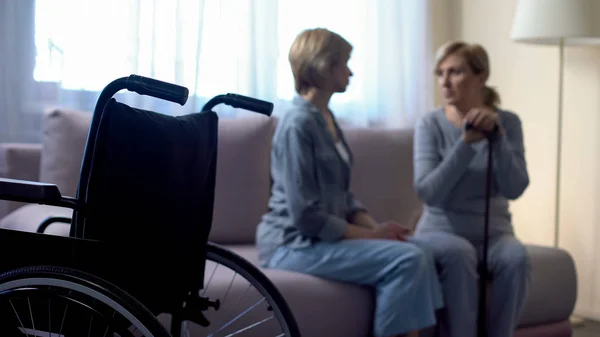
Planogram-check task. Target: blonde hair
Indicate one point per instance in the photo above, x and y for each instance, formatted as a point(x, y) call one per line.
point(477, 60)
point(313, 54)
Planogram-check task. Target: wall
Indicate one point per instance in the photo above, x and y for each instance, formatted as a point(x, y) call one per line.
point(527, 78)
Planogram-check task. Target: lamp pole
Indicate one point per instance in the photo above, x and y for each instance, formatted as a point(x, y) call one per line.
point(561, 61)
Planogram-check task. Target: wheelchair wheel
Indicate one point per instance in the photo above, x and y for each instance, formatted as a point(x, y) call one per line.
point(57, 302)
point(249, 303)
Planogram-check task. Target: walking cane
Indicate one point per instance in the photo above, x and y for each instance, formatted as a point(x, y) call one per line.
point(483, 270)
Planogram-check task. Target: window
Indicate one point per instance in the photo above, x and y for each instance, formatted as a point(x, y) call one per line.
point(211, 46)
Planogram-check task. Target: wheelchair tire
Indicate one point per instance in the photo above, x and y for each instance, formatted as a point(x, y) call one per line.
point(83, 285)
point(260, 281)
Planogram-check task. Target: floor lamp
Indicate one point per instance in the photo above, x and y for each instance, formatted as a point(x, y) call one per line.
point(560, 23)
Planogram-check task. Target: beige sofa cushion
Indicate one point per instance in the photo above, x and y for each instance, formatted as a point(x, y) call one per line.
point(29, 218)
point(63, 142)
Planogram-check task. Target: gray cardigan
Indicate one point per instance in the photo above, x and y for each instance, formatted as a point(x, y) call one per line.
point(310, 199)
point(450, 176)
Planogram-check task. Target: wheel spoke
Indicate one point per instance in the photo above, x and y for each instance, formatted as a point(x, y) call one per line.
point(90, 328)
point(249, 327)
point(236, 303)
point(228, 289)
point(240, 315)
point(19, 318)
point(31, 315)
point(49, 318)
point(108, 327)
point(62, 323)
point(209, 280)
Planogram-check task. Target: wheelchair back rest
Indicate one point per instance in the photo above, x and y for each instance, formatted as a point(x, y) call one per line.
point(152, 179)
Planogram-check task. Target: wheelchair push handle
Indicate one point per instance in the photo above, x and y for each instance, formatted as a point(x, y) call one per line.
point(250, 103)
point(159, 89)
point(240, 101)
point(177, 94)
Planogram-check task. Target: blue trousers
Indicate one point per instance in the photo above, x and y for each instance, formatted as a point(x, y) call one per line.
point(457, 260)
point(403, 275)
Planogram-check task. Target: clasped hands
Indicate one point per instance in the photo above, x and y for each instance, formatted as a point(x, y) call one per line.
point(392, 230)
point(484, 120)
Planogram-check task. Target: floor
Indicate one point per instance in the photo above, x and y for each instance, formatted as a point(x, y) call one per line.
point(587, 329)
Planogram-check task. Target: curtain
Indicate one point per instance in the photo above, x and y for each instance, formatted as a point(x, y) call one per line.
point(70, 49)
point(17, 61)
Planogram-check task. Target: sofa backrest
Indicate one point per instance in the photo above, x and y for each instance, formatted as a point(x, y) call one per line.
point(243, 179)
point(382, 173)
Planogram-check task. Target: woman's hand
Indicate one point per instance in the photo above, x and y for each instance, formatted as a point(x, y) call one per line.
point(483, 120)
point(363, 219)
point(388, 230)
point(393, 231)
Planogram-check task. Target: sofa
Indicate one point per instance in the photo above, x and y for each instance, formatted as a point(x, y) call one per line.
point(382, 180)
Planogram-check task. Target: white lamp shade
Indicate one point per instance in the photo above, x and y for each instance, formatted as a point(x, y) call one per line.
point(549, 21)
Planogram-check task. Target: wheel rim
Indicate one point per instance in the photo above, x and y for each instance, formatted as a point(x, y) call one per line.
point(64, 289)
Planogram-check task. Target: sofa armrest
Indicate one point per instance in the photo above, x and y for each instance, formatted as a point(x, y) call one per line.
point(18, 161)
point(553, 290)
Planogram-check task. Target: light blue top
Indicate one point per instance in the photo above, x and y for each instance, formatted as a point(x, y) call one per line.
point(310, 199)
point(450, 176)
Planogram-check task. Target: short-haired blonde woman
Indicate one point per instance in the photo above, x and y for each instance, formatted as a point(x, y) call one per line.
point(314, 224)
point(450, 171)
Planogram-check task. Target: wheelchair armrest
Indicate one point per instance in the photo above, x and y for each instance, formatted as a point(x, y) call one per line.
point(46, 223)
point(33, 192)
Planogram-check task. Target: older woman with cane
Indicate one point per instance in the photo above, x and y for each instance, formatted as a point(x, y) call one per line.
point(450, 166)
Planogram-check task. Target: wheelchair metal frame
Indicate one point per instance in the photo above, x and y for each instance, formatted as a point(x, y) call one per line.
point(77, 251)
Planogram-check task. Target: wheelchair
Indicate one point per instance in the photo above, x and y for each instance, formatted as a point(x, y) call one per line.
point(138, 241)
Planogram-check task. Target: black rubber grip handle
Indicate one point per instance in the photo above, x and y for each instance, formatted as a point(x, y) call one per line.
point(469, 126)
point(159, 89)
point(249, 103)
point(490, 135)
